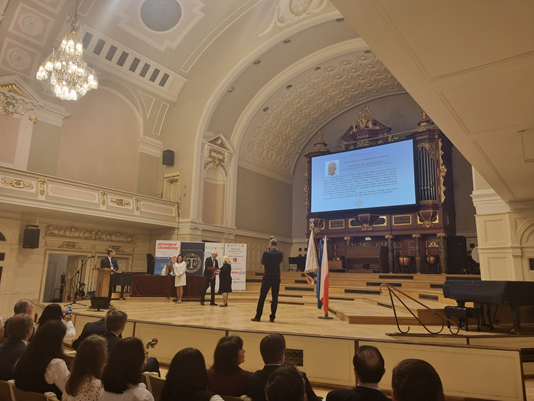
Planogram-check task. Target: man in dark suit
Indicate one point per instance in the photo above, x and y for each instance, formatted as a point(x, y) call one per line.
point(110, 261)
point(273, 353)
point(22, 306)
point(20, 331)
point(98, 328)
point(211, 269)
point(271, 259)
point(369, 369)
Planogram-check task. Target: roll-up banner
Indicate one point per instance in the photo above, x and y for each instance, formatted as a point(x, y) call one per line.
point(193, 254)
point(164, 251)
point(238, 255)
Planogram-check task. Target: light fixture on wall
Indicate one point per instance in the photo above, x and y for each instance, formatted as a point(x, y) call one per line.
point(66, 71)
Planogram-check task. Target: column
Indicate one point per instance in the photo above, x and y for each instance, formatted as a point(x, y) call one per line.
point(443, 252)
point(390, 252)
point(417, 252)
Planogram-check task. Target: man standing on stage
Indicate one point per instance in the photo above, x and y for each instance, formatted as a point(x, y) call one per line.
point(271, 259)
point(110, 261)
point(211, 269)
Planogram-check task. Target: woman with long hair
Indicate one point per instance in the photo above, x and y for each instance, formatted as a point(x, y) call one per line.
point(122, 374)
point(84, 382)
point(187, 379)
point(225, 279)
point(42, 367)
point(226, 377)
point(54, 312)
point(179, 280)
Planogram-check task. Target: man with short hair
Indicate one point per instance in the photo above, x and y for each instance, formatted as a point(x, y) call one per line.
point(369, 368)
point(285, 384)
point(211, 269)
point(332, 167)
point(115, 324)
point(416, 380)
point(23, 306)
point(98, 327)
point(271, 259)
point(110, 261)
point(273, 353)
point(20, 331)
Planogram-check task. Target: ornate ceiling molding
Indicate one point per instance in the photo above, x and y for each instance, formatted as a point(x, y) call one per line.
point(284, 123)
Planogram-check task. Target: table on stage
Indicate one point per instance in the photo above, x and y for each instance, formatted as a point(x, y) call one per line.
point(163, 286)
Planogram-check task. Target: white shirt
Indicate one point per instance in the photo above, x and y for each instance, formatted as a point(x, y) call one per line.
point(57, 373)
point(134, 393)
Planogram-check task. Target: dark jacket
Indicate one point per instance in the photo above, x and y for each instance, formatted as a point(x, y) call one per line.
point(10, 352)
point(105, 263)
point(98, 328)
point(210, 266)
point(359, 393)
point(256, 383)
point(272, 259)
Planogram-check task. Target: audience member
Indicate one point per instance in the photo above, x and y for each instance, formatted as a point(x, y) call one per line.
point(98, 327)
point(285, 384)
point(416, 380)
point(42, 366)
point(80, 292)
point(273, 352)
point(369, 369)
point(84, 382)
point(122, 374)
point(2, 327)
point(22, 306)
point(225, 376)
point(187, 379)
point(115, 324)
point(54, 312)
point(20, 331)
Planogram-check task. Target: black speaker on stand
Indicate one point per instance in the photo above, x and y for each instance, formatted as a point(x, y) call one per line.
point(457, 261)
point(31, 237)
point(168, 158)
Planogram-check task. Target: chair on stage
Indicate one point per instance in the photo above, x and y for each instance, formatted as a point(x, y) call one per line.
point(20, 395)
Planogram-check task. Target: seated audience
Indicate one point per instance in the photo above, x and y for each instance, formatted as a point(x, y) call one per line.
point(369, 369)
point(416, 380)
point(273, 353)
point(285, 384)
point(80, 292)
point(225, 376)
point(20, 331)
point(98, 327)
point(23, 306)
point(54, 312)
point(187, 379)
point(84, 382)
point(122, 374)
point(42, 366)
point(115, 324)
point(2, 327)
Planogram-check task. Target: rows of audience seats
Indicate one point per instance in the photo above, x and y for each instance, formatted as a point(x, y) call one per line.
point(107, 367)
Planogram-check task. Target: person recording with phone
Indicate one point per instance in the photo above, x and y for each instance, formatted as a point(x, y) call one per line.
point(54, 312)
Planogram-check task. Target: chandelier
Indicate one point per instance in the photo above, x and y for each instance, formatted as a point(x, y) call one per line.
point(69, 76)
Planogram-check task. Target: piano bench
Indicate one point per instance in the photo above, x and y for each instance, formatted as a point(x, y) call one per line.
point(463, 313)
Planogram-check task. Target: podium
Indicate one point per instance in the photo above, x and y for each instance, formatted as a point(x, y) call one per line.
point(102, 283)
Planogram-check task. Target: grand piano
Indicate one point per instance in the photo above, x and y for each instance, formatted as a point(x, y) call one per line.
point(487, 293)
point(124, 279)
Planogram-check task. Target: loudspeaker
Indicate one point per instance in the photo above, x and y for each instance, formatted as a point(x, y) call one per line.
point(456, 255)
point(150, 262)
point(168, 157)
point(31, 237)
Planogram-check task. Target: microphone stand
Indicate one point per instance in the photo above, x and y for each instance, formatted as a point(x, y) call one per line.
point(73, 281)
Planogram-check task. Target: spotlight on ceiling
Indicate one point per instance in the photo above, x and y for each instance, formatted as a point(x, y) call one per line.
point(266, 109)
point(289, 86)
point(231, 89)
point(340, 19)
point(368, 52)
point(317, 68)
point(287, 41)
point(257, 61)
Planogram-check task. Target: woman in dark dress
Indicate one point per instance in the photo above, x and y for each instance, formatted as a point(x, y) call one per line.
point(225, 280)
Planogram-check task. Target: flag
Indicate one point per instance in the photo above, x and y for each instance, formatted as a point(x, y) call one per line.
point(312, 264)
point(323, 280)
point(318, 278)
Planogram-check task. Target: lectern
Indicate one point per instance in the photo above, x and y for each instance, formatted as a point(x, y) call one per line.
point(102, 284)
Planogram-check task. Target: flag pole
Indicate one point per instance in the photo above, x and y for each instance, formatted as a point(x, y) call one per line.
point(325, 282)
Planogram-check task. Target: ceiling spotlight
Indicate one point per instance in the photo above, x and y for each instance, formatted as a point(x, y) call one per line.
point(289, 86)
point(257, 61)
point(231, 89)
point(317, 68)
point(340, 19)
point(287, 41)
point(266, 109)
point(368, 52)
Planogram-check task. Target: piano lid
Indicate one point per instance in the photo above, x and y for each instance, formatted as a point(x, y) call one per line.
point(490, 292)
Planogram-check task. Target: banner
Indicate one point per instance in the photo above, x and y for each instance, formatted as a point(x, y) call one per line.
point(164, 251)
point(193, 254)
point(238, 255)
point(210, 247)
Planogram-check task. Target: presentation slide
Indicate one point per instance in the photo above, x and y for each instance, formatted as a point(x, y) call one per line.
point(378, 176)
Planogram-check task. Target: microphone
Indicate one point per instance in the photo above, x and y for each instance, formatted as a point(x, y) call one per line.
point(90, 257)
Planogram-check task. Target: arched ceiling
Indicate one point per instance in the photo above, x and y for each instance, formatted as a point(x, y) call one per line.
point(286, 119)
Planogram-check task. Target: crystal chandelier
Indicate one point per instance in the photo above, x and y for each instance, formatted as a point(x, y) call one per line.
point(70, 77)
